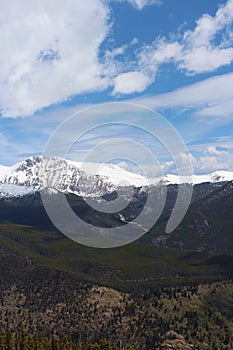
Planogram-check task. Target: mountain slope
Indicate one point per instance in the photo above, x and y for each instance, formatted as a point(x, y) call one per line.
point(207, 225)
point(24, 220)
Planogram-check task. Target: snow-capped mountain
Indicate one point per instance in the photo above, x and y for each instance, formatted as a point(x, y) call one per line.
point(38, 173)
point(86, 179)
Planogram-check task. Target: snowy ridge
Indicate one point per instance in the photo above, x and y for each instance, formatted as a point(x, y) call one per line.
point(86, 179)
point(114, 174)
point(217, 176)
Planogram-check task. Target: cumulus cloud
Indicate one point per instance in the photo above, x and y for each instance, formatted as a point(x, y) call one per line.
point(127, 83)
point(210, 160)
point(201, 52)
point(213, 160)
point(49, 51)
point(152, 56)
point(205, 59)
point(203, 49)
point(148, 62)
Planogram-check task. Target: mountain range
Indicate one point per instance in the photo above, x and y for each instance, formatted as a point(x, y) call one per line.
point(207, 225)
point(84, 179)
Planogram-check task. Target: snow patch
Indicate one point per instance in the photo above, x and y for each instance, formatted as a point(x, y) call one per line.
point(9, 191)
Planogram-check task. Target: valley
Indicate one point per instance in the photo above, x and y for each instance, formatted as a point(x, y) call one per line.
point(133, 295)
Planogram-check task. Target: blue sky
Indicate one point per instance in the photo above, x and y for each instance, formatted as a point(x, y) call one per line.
point(172, 56)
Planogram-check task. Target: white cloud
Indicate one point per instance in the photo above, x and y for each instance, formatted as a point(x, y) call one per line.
point(140, 4)
point(211, 97)
point(49, 55)
point(213, 160)
point(151, 56)
point(207, 26)
point(49, 51)
point(200, 52)
point(205, 59)
point(203, 49)
point(223, 110)
point(209, 160)
point(148, 62)
point(127, 83)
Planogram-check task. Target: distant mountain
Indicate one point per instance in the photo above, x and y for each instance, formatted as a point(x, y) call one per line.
point(83, 179)
point(216, 176)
